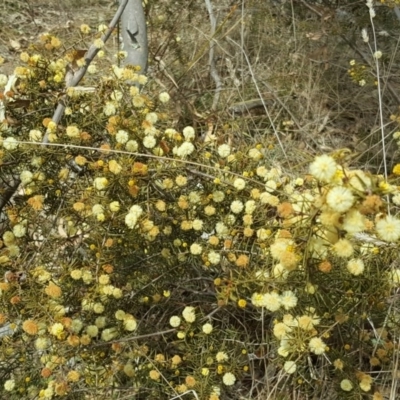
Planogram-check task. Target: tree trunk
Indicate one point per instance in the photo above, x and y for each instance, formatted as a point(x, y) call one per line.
point(134, 35)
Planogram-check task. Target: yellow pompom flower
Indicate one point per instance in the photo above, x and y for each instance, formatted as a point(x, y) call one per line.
point(396, 169)
point(52, 290)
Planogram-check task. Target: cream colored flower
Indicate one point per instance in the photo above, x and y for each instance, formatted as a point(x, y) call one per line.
point(221, 356)
point(224, 150)
point(365, 386)
point(92, 330)
point(250, 206)
point(290, 367)
point(109, 334)
point(131, 220)
point(114, 167)
point(394, 276)
point(346, 385)
point(185, 149)
point(340, 199)
point(109, 109)
point(354, 222)
point(76, 274)
point(87, 277)
point(149, 141)
point(9, 385)
point(237, 206)
point(189, 133)
point(98, 43)
point(218, 196)
point(136, 211)
point(221, 229)
point(197, 224)
point(281, 330)
point(35, 135)
point(142, 79)
point(132, 145)
point(117, 293)
point(228, 379)
point(130, 323)
point(10, 143)
point(388, 228)
point(239, 183)
point(114, 206)
point(174, 321)
point(100, 183)
point(207, 328)
point(317, 346)
point(323, 168)
point(214, 258)
point(122, 136)
point(288, 300)
point(98, 308)
point(164, 97)
point(42, 343)
point(188, 314)
point(255, 154)
point(343, 248)
point(100, 322)
point(92, 69)
point(56, 329)
point(196, 249)
point(19, 230)
point(97, 209)
point(355, 266)
point(84, 28)
point(270, 185)
point(72, 131)
point(26, 177)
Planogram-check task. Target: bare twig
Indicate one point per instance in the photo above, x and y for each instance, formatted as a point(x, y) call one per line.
point(146, 155)
point(138, 337)
point(379, 84)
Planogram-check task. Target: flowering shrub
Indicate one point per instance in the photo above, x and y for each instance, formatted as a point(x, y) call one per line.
point(141, 261)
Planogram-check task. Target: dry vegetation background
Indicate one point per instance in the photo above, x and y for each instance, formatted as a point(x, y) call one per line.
point(286, 85)
point(294, 55)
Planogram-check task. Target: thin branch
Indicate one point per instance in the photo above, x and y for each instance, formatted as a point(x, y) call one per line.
point(378, 80)
point(130, 338)
point(152, 156)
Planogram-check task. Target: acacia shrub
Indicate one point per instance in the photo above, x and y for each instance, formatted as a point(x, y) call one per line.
point(141, 261)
